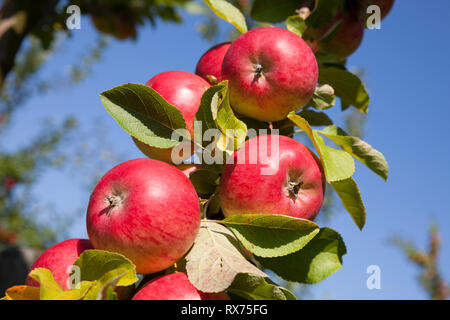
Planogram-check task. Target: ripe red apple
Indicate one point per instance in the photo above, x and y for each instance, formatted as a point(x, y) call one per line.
point(58, 259)
point(270, 72)
point(359, 7)
point(146, 210)
point(183, 90)
point(341, 42)
point(210, 63)
point(175, 286)
point(287, 181)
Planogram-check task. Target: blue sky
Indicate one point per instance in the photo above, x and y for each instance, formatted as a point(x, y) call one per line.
point(406, 65)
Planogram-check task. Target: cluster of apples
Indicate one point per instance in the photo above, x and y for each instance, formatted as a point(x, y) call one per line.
point(148, 210)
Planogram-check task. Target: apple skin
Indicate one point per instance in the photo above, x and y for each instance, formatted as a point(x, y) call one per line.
point(175, 286)
point(359, 7)
point(295, 187)
point(146, 210)
point(58, 259)
point(183, 90)
point(270, 72)
point(210, 62)
point(346, 39)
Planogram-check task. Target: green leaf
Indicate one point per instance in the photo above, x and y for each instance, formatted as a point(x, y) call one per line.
point(205, 181)
point(50, 290)
point(348, 87)
point(103, 288)
point(323, 13)
point(229, 13)
point(95, 264)
point(214, 260)
point(323, 97)
point(252, 287)
point(359, 149)
point(144, 114)
point(296, 25)
point(320, 258)
point(274, 11)
point(338, 165)
point(314, 118)
point(350, 196)
point(268, 235)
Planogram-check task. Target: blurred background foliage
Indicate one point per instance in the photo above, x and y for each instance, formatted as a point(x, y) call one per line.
point(30, 33)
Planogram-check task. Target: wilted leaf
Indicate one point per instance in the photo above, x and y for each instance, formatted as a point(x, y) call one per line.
point(323, 97)
point(23, 293)
point(214, 260)
point(268, 235)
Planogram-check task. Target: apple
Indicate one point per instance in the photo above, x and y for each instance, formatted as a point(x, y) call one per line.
point(145, 209)
point(175, 286)
point(58, 259)
point(270, 72)
point(183, 90)
point(359, 7)
point(288, 181)
point(340, 42)
point(210, 63)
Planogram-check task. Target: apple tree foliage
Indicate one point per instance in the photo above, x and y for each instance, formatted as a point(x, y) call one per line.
point(238, 254)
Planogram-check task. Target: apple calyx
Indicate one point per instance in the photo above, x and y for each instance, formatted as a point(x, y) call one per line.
point(258, 70)
point(114, 201)
point(293, 188)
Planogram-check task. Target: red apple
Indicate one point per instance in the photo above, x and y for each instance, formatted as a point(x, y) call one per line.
point(210, 63)
point(58, 259)
point(183, 90)
point(270, 72)
point(175, 286)
point(342, 42)
point(146, 210)
point(359, 7)
point(264, 180)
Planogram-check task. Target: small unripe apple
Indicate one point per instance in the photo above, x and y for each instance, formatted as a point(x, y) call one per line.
point(58, 259)
point(270, 72)
point(210, 63)
point(263, 180)
point(175, 286)
point(146, 210)
point(183, 90)
point(340, 42)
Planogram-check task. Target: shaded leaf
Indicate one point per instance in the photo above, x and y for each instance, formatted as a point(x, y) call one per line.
point(314, 118)
point(350, 196)
point(348, 87)
point(274, 11)
point(320, 258)
point(323, 97)
point(252, 287)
